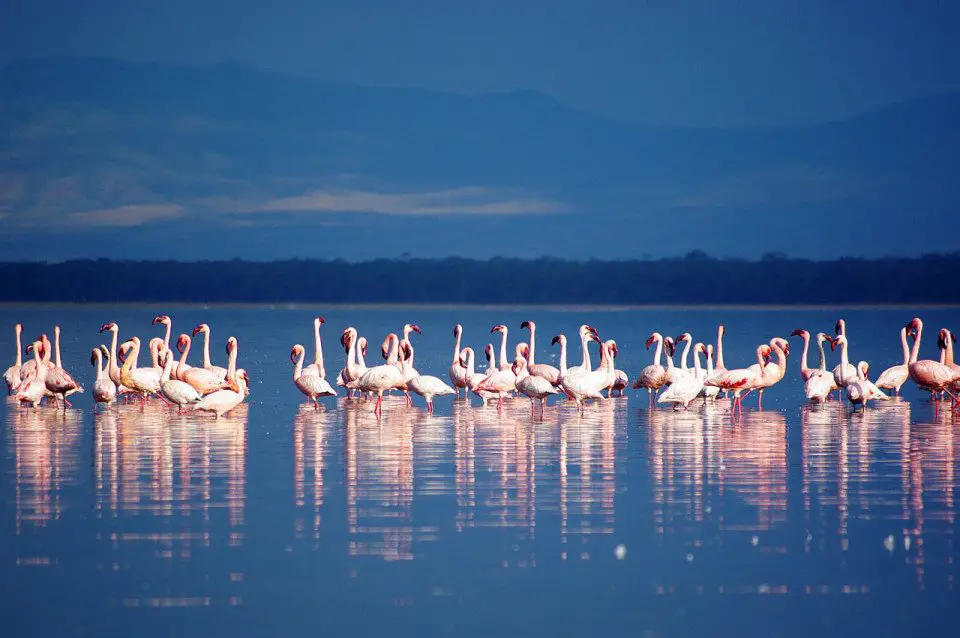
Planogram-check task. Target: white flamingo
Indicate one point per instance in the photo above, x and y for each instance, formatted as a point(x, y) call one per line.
point(425, 385)
point(820, 383)
point(58, 381)
point(167, 323)
point(104, 390)
point(500, 382)
point(543, 370)
point(740, 380)
point(177, 392)
point(141, 381)
point(534, 387)
point(842, 373)
point(709, 392)
point(203, 380)
point(474, 378)
point(311, 384)
point(317, 366)
point(33, 388)
point(687, 386)
point(205, 329)
point(654, 376)
point(588, 385)
point(379, 379)
point(895, 376)
point(222, 401)
point(458, 373)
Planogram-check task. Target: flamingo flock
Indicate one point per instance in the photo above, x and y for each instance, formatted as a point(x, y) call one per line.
point(207, 387)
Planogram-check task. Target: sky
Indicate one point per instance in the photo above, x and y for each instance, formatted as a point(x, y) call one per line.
point(668, 63)
point(720, 80)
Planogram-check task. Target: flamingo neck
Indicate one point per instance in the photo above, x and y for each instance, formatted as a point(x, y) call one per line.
point(760, 359)
point(166, 337)
point(803, 355)
point(669, 358)
point(19, 350)
point(720, 348)
point(823, 356)
point(360, 360)
point(949, 351)
point(318, 347)
point(781, 360)
point(709, 365)
point(298, 369)
point(183, 357)
point(533, 347)
point(113, 353)
point(394, 347)
point(56, 347)
point(490, 366)
point(584, 345)
point(167, 366)
point(563, 356)
point(906, 348)
point(128, 365)
point(844, 357)
point(469, 366)
point(696, 362)
point(206, 349)
point(231, 377)
point(657, 356)
point(456, 348)
point(916, 343)
point(352, 351)
point(503, 348)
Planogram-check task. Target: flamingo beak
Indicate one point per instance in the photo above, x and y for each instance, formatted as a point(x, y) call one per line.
point(615, 349)
point(833, 344)
point(525, 324)
point(293, 354)
point(555, 341)
point(29, 348)
point(649, 342)
point(104, 328)
point(196, 331)
point(836, 328)
point(321, 320)
point(416, 329)
point(797, 333)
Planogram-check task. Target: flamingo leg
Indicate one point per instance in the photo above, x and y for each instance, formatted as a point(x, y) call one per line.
point(500, 404)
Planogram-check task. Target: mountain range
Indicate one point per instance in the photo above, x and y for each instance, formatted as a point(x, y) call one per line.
point(128, 160)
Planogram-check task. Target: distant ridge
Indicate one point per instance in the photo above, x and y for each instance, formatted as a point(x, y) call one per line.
point(694, 279)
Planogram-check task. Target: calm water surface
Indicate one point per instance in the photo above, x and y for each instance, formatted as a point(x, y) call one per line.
point(281, 520)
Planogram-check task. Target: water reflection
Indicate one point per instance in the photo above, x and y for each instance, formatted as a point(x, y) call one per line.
point(46, 459)
point(169, 486)
point(311, 431)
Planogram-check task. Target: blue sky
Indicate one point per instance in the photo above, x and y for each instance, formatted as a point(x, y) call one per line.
point(683, 62)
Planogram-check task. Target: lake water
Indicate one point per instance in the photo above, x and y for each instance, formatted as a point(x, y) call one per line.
point(280, 520)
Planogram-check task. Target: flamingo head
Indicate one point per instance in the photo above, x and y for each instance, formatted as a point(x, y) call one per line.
point(684, 337)
point(556, 340)
point(489, 351)
point(765, 353)
point(108, 326)
point(865, 369)
point(518, 365)
point(30, 347)
point(524, 350)
point(182, 342)
point(231, 344)
point(104, 351)
point(319, 321)
point(412, 327)
point(701, 349)
point(406, 350)
point(18, 328)
point(709, 351)
point(529, 325)
point(591, 330)
point(295, 352)
point(669, 346)
point(837, 341)
point(125, 348)
point(839, 327)
point(94, 355)
point(800, 333)
point(384, 348)
point(345, 339)
point(614, 350)
point(457, 330)
point(499, 328)
point(164, 319)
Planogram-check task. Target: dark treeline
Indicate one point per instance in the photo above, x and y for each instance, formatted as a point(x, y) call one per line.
point(693, 279)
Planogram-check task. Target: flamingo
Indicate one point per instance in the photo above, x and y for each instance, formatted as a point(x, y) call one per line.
point(408, 370)
point(58, 381)
point(543, 370)
point(805, 371)
point(895, 376)
point(427, 386)
point(741, 379)
point(141, 381)
point(104, 390)
point(932, 375)
point(33, 387)
point(114, 368)
point(709, 392)
point(203, 380)
point(379, 379)
point(654, 376)
point(687, 387)
point(183, 347)
point(504, 365)
point(205, 329)
point(773, 372)
point(859, 389)
point(317, 366)
point(458, 373)
point(475, 378)
point(313, 385)
point(587, 334)
point(176, 392)
point(535, 387)
point(686, 350)
point(167, 323)
point(841, 373)
point(222, 401)
point(587, 385)
point(12, 375)
point(820, 383)
point(355, 365)
point(670, 349)
point(501, 381)
point(620, 379)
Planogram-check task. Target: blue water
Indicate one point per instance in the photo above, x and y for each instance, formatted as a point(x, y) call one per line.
point(282, 520)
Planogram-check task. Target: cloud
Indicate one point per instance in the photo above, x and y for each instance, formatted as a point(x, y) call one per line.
point(471, 200)
point(126, 216)
point(790, 185)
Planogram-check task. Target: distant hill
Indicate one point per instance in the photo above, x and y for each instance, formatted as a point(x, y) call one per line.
point(93, 152)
